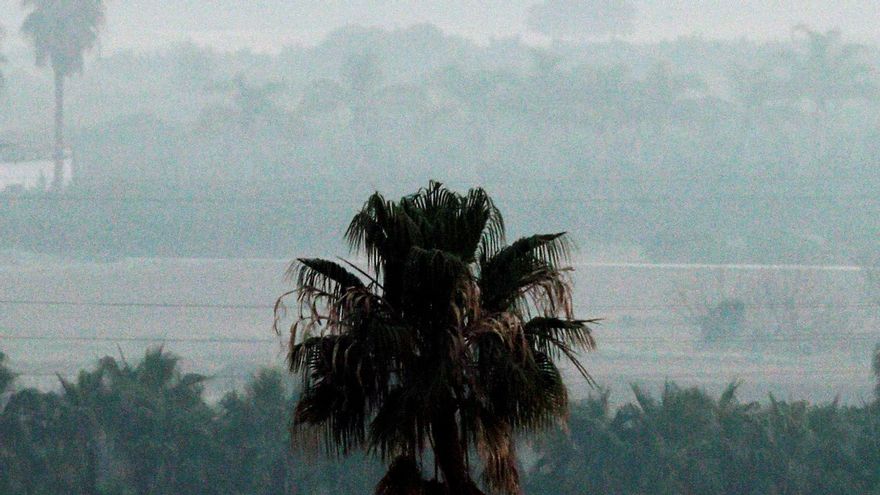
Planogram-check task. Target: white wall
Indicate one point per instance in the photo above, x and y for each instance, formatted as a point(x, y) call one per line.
point(30, 175)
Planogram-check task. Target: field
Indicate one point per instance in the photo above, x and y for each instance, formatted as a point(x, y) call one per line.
point(808, 331)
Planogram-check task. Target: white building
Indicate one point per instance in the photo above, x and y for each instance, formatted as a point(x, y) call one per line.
point(28, 174)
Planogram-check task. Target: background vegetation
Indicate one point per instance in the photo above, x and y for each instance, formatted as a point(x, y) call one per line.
point(124, 428)
point(768, 146)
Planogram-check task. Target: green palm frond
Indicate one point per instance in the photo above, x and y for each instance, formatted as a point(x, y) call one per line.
point(543, 331)
point(550, 249)
point(433, 278)
point(560, 338)
point(462, 225)
point(401, 424)
point(323, 275)
point(328, 416)
point(481, 205)
point(382, 231)
point(333, 405)
point(527, 272)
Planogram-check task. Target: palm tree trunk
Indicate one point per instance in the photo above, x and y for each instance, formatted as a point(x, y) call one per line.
point(91, 468)
point(58, 151)
point(449, 454)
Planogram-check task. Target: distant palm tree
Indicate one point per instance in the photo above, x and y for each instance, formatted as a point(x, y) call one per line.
point(449, 341)
point(248, 102)
point(876, 369)
point(7, 377)
point(827, 70)
point(2, 58)
point(62, 31)
point(145, 446)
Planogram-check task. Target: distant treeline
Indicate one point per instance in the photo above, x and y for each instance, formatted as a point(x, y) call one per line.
point(770, 148)
point(124, 428)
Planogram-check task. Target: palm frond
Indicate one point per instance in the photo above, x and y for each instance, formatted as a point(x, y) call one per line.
point(323, 275)
point(433, 278)
point(398, 427)
point(382, 231)
point(328, 417)
point(492, 221)
point(320, 283)
point(333, 405)
point(497, 451)
point(551, 249)
point(528, 274)
point(645, 402)
point(728, 396)
point(545, 333)
point(463, 225)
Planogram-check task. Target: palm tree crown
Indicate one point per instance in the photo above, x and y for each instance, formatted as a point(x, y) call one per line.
point(2, 58)
point(449, 340)
point(62, 31)
point(830, 70)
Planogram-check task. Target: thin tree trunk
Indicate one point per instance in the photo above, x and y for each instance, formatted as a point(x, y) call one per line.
point(58, 152)
point(91, 470)
point(449, 454)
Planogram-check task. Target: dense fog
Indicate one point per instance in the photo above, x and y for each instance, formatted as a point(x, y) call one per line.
point(713, 165)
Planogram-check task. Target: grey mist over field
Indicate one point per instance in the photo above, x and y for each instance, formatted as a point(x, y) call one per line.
point(715, 163)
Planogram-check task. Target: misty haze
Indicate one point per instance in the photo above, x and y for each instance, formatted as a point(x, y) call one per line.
point(424, 247)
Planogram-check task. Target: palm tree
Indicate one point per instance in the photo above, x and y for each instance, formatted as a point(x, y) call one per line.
point(2, 58)
point(248, 102)
point(448, 341)
point(62, 31)
point(876, 368)
point(7, 377)
point(828, 70)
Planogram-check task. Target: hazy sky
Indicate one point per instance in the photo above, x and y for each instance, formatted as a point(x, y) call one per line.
point(269, 24)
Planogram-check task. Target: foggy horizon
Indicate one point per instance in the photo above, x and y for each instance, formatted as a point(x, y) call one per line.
point(271, 26)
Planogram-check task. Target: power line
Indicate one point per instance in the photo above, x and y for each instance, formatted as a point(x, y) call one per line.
point(724, 376)
point(796, 338)
point(370, 184)
point(234, 306)
point(262, 200)
point(836, 337)
point(55, 374)
point(200, 340)
point(133, 304)
point(842, 371)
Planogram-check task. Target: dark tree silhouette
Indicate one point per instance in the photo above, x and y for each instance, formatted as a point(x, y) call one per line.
point(7, 377)
point(449, 341)
point(876, 369)
point(62, 31)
